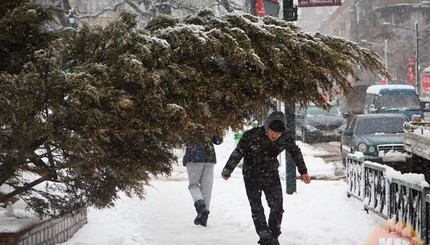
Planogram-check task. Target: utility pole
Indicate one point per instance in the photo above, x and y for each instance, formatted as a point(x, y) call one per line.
point(417, 67)
point(386, 53)
point(290, 14)
point(290, 166)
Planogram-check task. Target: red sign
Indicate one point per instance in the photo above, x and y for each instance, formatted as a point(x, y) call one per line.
point(410, 73)
point(260, 8)
point(318, 3)
point(425, 83)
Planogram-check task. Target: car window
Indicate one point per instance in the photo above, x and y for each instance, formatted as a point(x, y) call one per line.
point(314, 111)
point(380, 126)
point(409, 101)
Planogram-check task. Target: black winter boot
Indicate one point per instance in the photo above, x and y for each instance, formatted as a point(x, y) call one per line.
point(266, 238)
point(202, 213)
point(266, 241)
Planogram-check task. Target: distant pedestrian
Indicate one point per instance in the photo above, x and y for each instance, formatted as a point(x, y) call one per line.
point(199, 159)
point(260, 147)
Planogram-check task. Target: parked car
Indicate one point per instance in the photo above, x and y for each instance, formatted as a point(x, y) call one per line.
point(316, 124)
point(425, 105)
point(378, 136)
point(393, 98)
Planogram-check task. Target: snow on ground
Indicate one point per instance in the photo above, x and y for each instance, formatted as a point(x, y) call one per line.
point(318, 213)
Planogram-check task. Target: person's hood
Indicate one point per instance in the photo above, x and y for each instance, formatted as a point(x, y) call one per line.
point(276, 115)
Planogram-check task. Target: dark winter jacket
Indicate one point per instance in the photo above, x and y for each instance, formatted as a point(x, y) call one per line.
point(260, 153)
point(199, 153)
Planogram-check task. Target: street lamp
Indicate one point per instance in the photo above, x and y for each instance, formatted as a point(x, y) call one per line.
point(417, 73)
point(385, 45)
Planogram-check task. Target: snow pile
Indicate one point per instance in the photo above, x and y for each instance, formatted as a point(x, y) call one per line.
point(14, 218)
point(411, 178)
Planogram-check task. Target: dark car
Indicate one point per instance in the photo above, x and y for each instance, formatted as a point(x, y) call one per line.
point(378, 136)
point(425, 104)
point(314, 124)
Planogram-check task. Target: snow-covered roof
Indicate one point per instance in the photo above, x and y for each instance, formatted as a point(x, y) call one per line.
point(376, 89)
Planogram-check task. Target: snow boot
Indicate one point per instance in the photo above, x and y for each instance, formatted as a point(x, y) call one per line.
point(202, 213)
point(266, 238)
point(266, 241)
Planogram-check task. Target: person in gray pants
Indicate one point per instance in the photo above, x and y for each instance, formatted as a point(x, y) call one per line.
point(199, 159)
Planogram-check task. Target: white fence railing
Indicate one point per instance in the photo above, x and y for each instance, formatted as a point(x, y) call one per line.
point(393, 196)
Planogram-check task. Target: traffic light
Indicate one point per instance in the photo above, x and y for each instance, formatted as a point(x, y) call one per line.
point(290, 11)
point(290, 14)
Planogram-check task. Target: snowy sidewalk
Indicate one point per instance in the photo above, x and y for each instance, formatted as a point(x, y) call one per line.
point(319, 213)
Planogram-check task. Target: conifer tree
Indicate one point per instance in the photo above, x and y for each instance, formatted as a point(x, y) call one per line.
point(99, 111)
point(22, 32)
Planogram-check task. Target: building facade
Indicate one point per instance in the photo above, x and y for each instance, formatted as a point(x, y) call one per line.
point(398, 30)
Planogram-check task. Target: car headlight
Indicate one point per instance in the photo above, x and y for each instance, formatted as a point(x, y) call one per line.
point(372, 149)
point(362, 147)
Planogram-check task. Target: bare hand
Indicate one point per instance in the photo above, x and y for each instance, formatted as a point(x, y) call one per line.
point(306, 178)
point(225, 177)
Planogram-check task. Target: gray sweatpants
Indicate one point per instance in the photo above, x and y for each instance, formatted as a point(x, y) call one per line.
point(200, 181)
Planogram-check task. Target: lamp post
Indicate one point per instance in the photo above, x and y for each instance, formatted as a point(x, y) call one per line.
point(417, 73)
point(385, 45)
point(386, 53)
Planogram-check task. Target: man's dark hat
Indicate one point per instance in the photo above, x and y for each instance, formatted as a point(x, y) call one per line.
point(277, 126)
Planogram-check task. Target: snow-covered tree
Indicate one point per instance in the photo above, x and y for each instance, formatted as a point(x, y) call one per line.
point(22, 32)
point(99, 111)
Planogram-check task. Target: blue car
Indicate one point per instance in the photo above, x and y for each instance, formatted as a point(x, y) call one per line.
point(378, 136)
point(393, 98)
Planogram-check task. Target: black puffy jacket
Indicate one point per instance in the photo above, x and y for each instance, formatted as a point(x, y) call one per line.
point(260, 154)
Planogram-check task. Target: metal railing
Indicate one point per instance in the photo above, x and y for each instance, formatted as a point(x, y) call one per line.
point(375, 190)
point(354, 177)
point(427, 215)
point(390, 197)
